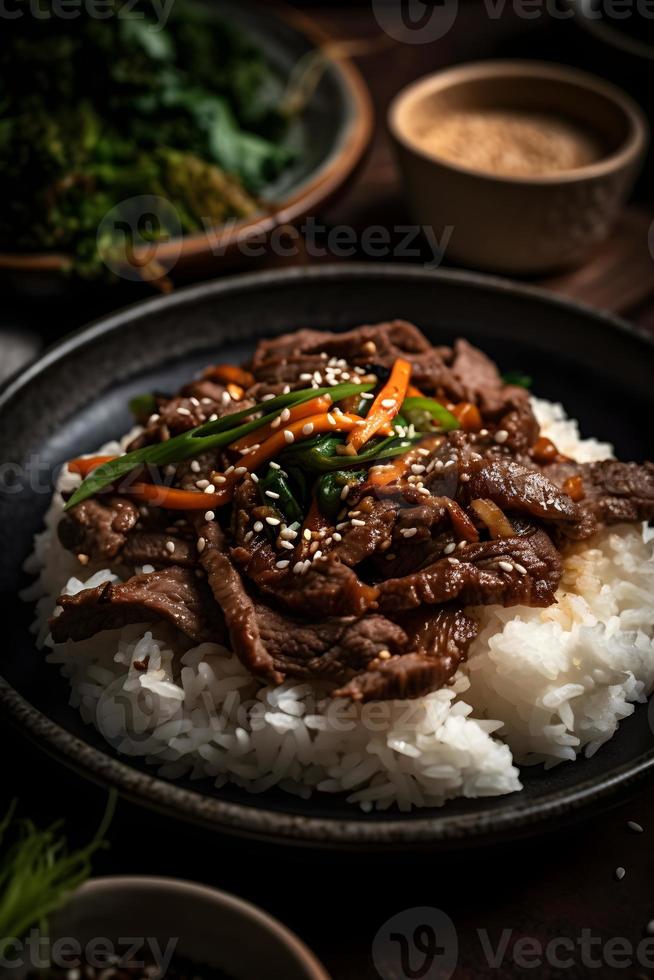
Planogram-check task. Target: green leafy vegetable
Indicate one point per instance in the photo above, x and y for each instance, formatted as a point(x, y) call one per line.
point(330, 487)
point(277, 482)
point(517, 378)
point(142, 407)
point(38, 872)
point(321, 455)
point(98, 111)
point(210, 436)
point(423, 411)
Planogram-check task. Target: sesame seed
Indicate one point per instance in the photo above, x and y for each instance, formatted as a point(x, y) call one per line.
point(276, 422)
point(388, 403)
point(275, 466)
point(209, 516)
point(506, 566)
point(408, 532)
point(273, 521)
point(213, 418)
point(202, 544)
point(268, 397)
point(313, 547)
point(331, 419)
point(220, 479)
point(240, 470)
point(254, 477)
point(306, 534)
point(317, 555)
point(298, 567)
point(210, 489)
point(183, 411)
point(635, 827)
point(195, 466)
point(272, 494)
point(454, 561)
point(282, 564)
point(83, 559)
point(305, 377)
point(501, 436)
point(367, 395)
point(345, 491)
point(424, 491)
point(465, 478)
point(286, 544)
point(258, 526)
point(449, 548)
point(288, 436)
point(307, 429)
point(358, 523)
point(384, 655)
point(286, 414)
point(337, 537)
point(520, 569)
point(418, 468)
point(170, 547)
point(620, 873)
point(483, 432)
point(286, 389)
point(194, 401)
point(201, 484)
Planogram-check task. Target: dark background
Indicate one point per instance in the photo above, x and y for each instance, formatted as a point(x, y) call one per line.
point(554, 886)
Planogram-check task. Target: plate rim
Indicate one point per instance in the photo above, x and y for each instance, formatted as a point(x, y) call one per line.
point(256, 820)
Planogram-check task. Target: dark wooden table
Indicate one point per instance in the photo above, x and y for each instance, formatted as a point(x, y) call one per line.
point(559, 887)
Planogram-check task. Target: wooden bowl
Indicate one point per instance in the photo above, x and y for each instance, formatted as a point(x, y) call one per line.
point(331, 137)
point(519, 225)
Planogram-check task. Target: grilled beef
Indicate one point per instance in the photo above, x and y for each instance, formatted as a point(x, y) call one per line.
point(174, 595)
point(369, 599)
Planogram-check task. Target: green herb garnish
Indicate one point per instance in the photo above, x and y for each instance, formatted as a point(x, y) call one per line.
point(517, 378)
point(38, 872)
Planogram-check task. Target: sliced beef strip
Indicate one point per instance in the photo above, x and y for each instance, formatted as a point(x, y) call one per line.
point(327, 649)
point(153, 548)
point(613, 491)
point(107, 529)
point(508, 571)
point(237, 606)
point(478, 377)
point(174, 595)
point(328, 588)
point(379, 344)
point(519, 489)
point(98, 527)
point(440, 642)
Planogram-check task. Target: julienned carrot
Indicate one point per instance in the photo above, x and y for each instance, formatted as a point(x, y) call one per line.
point(315, 406)
point(85, 465)
point(385, 406)
point(382, 475)
point(291, 432)
point(229, 373)
point(173, 499)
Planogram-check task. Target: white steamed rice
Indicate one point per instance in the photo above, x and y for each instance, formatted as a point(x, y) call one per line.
point(541, 685)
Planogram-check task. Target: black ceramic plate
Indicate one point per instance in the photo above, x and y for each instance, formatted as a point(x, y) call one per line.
point(75, 397)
